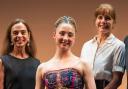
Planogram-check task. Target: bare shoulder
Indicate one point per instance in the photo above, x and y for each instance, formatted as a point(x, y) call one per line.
point(85, 65)
point(44, 65)
point(84, 62)
point(81, 62)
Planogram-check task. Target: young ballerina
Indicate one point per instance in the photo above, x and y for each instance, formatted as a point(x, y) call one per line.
point(64, 70)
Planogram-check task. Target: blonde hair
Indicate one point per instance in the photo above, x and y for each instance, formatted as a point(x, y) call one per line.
point(66, 19)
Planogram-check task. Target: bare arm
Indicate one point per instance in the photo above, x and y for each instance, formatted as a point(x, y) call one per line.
point(116, 80)
point(88, 77)
point(1, 75)
point(39, 78)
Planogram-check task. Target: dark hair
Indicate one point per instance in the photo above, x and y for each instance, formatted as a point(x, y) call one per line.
point(106, 9)
point(66, 19)
point(7, 47)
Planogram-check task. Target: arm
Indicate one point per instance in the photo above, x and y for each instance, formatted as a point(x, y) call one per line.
point(39, 78)
point(116, 80)
point(1, 75)
point(88, 77)
point(118, 67)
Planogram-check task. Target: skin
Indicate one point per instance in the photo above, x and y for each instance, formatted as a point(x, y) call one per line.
point(64, 37)
point(19, 37)
point(104, 25)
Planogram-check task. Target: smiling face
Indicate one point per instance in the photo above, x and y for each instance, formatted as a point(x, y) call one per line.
point(64, 36)
point(19, 35)
point(105, 18)
point(104, 24)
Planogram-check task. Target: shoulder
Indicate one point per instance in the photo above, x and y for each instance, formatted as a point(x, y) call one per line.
point(89, 42)
point(35, 60)
point(44, 65)
point(86, 68)
point(118, 43)
point(84, 64)
point(5, 58)
point(41, 69)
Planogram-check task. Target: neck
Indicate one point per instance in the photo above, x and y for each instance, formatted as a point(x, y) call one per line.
point(19, 52)
point(63, 54)
point(102, 37)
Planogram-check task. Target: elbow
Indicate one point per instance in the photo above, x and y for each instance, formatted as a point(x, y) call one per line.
point(118, 82)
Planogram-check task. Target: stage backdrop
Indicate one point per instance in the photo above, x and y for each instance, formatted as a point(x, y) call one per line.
point(42, 14)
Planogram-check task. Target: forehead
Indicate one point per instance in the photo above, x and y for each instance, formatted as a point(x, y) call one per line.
point(19, 26)
point(104, 11)
point(65, 27)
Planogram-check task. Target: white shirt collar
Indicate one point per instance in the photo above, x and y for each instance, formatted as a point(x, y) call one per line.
point(109, 39)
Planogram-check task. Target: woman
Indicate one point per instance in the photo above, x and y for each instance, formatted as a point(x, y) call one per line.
point(105, 52)
point(64, 70)
point(18, 63)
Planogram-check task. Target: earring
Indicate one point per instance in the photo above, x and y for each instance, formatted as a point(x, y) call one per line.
point(12, 43)
point(28, 44)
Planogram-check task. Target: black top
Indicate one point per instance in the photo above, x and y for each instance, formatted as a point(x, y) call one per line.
point(19, 73)
point(126, 51)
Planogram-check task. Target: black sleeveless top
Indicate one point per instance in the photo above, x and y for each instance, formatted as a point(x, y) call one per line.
point(19, 73)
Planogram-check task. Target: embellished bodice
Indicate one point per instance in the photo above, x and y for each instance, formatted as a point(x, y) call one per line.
point(68, 78)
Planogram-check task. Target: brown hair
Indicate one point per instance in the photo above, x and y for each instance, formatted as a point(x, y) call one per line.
point(66, 19)
point(106, 9)
point(7, 47)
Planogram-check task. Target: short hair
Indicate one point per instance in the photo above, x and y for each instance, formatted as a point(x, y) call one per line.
point(106, 9)
point(66, 19)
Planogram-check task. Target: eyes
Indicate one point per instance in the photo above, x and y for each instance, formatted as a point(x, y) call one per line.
point(106, 17)
point(63, 33)
point(22, 32)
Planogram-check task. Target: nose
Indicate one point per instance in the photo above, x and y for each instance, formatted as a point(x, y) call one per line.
point(66, 37)
point(103, 19)
point(19, 34)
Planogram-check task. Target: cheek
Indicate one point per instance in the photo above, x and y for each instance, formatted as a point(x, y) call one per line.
point(57, 38)
point(25, 38)
point(72, 40)
point(111, 23)
point(13, 38)
point(60, 40)
point(96, 23)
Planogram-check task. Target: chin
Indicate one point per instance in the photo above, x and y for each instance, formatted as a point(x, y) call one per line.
point(104, 31)
point(64, 48)
point(20, 45)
